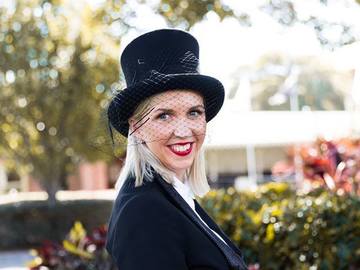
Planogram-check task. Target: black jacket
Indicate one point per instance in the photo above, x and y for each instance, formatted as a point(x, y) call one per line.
point(152, 227)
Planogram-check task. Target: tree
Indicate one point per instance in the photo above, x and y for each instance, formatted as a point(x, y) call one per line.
point(54, 77)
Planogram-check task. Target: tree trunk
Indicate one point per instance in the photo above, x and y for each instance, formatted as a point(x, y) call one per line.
point(51, 191)
point(51, 187)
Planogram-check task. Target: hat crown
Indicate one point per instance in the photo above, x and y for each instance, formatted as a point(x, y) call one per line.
point(166, 51)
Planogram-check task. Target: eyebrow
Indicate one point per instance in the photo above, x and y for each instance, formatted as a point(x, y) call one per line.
point(171, 110)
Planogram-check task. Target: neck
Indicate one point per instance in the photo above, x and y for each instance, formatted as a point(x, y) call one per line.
point(181, 177)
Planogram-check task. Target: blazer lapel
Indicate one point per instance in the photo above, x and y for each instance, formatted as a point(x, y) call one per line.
point(202, 213)
point(235, 260)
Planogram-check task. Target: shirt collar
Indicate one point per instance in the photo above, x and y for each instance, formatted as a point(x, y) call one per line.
point(183, 189)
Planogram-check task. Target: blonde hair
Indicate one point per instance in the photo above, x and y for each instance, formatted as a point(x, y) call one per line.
point(139, 159)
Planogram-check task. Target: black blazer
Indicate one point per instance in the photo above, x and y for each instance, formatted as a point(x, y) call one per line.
point(153, 228)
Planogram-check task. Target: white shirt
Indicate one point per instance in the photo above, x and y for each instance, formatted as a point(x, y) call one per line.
point(187, 194)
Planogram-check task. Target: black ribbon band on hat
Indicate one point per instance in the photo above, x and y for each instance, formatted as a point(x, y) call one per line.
point(187, 63)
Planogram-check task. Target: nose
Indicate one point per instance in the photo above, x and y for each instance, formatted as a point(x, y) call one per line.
point(183, 128)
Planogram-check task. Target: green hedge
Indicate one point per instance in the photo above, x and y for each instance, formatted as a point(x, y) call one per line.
point(281, 230)
point(28, 224)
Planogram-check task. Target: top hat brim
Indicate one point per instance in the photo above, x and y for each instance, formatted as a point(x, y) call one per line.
point(124, 103)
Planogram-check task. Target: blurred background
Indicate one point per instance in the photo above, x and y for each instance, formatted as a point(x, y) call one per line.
point(283, 154)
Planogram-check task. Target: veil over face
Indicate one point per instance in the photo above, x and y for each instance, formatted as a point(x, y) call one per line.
point(173, 127)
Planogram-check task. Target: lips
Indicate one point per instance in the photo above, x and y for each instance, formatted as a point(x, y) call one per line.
point(181, 149)
point(180, 143)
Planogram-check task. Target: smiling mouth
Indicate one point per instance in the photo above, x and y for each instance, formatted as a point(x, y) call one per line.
point(181, 150)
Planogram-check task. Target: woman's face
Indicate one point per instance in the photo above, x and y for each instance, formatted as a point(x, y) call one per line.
point(175, 130)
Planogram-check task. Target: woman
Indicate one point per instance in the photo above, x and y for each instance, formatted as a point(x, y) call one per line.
point(156, 223)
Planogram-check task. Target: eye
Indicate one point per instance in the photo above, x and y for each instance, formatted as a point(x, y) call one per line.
point(162, 116)
point(198, 112)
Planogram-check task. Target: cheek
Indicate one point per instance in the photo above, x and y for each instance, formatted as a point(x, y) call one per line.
point(200, 140)
point(157, 148)
point(159, 132)
point(200, 134)
point(151, 133)
point(200, 129)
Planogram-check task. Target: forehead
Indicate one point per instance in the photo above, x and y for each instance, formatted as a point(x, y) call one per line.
point(182, 98)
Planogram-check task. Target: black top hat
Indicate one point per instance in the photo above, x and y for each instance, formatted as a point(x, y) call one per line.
point(161, 60)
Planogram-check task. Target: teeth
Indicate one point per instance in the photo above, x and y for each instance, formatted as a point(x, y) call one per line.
point(181, 148)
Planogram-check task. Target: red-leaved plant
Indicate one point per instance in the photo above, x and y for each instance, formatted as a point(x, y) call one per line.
point(331, 164)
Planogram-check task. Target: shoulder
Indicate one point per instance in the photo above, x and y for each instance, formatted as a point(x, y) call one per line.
point(137, 204)
point(148, 209)
point(149, 224)
point(151, 205)
point(148, 198)
point(147, 230)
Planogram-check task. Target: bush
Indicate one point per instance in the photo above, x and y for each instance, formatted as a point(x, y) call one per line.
point(28, 224)
point(280, 230)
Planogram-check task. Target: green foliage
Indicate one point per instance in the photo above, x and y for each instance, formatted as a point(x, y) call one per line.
point(188, 12)
point(28, 223)
point(55, 76)
point(281, 230)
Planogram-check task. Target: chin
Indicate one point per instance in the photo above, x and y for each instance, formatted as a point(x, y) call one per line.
point(180, 167)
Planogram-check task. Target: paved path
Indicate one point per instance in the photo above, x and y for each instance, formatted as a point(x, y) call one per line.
point(14, 260)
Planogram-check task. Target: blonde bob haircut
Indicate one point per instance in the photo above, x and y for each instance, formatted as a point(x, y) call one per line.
point(139, 159)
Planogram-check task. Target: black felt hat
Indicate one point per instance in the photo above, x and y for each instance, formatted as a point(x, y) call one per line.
point(161, 60)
